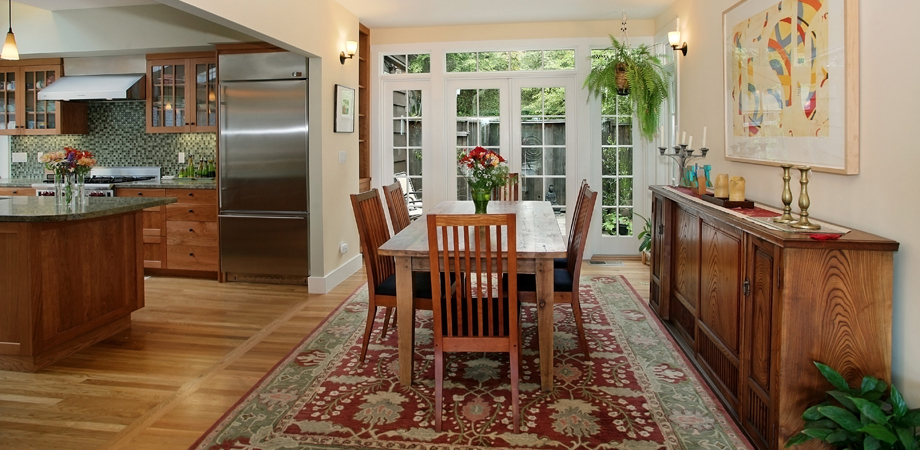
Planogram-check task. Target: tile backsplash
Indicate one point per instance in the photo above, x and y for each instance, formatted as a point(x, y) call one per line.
point(117, 137)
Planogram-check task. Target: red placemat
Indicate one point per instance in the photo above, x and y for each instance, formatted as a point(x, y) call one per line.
point(750, 212)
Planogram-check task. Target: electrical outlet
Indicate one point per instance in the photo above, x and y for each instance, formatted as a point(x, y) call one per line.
point(343, 247)
point(20, 157)
point(342, 157)
point(181, 157)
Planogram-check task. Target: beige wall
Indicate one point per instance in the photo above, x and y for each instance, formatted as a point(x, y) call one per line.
point(510, 31)
point(882, 198)
point(319, 29)
point(129, 30)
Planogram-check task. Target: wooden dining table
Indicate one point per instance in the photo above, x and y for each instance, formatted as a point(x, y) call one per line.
point(539, 241)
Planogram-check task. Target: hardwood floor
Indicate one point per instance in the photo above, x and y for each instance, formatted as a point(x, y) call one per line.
point(190, 354)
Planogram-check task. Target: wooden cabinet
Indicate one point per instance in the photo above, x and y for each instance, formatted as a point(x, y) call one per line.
point(17, 191)
point(181, 236)
point(22, 113)
point(182, 93)
point(753, 308)
point(154, 227)
point(191, 230)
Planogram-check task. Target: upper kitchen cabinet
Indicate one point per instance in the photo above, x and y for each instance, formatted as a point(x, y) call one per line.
point(182, 93)
point(22, 113)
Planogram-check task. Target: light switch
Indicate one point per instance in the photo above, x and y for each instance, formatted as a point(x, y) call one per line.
point(181, 157)
point(20, 157)
point(342, 157)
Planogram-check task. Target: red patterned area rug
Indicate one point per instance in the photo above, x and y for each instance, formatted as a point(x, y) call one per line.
point(637, 392)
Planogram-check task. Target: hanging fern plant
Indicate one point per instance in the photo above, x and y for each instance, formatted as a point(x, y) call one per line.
point(646, 81)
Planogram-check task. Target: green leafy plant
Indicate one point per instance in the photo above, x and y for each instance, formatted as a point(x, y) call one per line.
point(645, 236)
point(861, 418)
point(634, 72)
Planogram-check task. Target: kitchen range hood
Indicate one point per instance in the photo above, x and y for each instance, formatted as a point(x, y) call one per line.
point(96, 87)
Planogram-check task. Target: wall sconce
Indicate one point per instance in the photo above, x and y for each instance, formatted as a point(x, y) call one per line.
point(674, 39)
point(351, 47)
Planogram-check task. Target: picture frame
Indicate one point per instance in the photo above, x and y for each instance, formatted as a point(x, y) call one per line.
point(344, 109)
point(791, 83)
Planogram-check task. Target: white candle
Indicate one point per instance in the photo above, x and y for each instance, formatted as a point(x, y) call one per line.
point(683, 138)
point(704, 137)
point(690, 143)
point(661, 142)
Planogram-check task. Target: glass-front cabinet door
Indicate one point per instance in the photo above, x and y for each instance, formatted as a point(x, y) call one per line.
point(182, 95)
point(8, 97)
point(39, 116)
point(166, 96)
point(205, 118)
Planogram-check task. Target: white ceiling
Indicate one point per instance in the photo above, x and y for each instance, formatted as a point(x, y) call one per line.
point(417, 13)
point(57, 5)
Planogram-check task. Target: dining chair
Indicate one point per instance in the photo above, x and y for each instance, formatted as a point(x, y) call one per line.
point(565, 280)
point(479, 314)
point(510, 192)
point(560, 263)
point(396, 204)
point(381, 270)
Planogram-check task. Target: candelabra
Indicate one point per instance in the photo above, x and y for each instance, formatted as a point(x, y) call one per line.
point(683, 155)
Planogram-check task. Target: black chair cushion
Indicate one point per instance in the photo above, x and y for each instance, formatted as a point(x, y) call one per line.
point(560, 263)
point(460, 317)
point(562, 281)
point(421, 285)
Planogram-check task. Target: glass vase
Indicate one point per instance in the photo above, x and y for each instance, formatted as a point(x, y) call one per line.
point(58, 188)
point(481, 199)
point(71, 191)
point(80, 192)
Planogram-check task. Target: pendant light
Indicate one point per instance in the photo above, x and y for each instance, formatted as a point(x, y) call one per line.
point(10, 51)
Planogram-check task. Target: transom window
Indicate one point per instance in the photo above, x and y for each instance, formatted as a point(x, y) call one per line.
point(511, 61)
point(408, 63)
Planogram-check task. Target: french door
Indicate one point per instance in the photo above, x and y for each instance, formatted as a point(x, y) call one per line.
point(407, 147)
point(530, 122)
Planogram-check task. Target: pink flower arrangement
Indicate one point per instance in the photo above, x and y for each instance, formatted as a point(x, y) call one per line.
point(69, 160)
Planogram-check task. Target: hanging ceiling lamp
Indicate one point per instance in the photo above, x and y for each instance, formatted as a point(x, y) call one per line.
point(10, 51)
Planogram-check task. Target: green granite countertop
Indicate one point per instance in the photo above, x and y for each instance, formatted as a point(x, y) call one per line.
point(42, 209)
point(175, 183)
point(18, 182)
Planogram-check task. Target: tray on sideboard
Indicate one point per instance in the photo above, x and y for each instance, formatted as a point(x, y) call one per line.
point(726, 203)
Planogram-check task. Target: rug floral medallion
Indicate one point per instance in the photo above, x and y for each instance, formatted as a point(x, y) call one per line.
point(635, 393)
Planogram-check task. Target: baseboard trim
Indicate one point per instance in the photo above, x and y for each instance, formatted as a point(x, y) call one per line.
point(322, 285)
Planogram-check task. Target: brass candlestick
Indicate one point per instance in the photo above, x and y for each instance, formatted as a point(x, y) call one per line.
point(804, 203)
point(787, 197)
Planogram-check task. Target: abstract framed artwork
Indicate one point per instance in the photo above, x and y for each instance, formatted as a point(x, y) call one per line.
point(791, 76)
point(344, 109)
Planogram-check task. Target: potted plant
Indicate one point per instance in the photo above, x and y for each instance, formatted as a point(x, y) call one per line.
point(645, 239)
point(860, 418)
point(633, 72)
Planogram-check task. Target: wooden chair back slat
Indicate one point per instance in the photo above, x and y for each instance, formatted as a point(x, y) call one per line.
point(374, 232)
point(511, 191)
point(581, 226)
point(471, 248)
point(396, 204)
point(571, 235)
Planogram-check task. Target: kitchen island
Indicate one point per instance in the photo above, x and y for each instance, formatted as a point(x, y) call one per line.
point(68, 278)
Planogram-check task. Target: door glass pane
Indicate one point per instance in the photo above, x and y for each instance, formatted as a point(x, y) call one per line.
point(407, 146)
point(543, 147)
point(478, 124)
point(205, 95)
point(616, 166)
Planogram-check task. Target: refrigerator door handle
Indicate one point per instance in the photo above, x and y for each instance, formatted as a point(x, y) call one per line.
point(262, 217)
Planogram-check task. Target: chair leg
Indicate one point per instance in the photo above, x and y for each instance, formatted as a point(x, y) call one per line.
point(371, 314)
point(579, 324)
point(515, 401)
point(386, 321)
point(438, 387)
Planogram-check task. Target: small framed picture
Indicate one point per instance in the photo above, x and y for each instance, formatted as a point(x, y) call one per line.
point(344, 109)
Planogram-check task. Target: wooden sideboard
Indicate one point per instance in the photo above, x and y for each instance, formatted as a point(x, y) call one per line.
point(752, 308)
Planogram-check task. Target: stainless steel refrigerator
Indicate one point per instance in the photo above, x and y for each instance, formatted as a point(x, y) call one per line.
point(263, 166)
